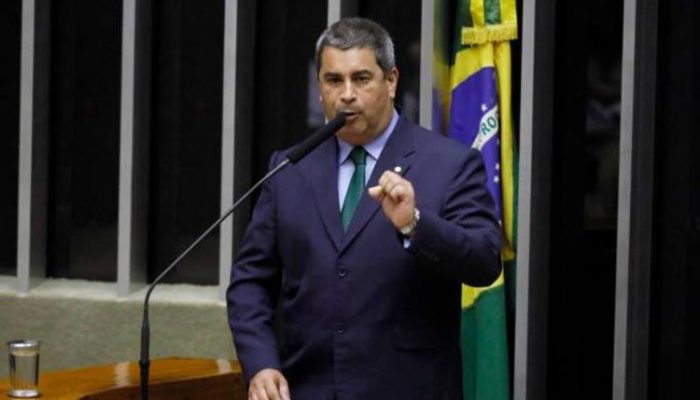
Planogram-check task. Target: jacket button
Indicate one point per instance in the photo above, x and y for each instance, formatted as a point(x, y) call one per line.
point(340, 329)
point(342, 272)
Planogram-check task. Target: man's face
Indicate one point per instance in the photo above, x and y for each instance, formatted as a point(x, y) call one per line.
point(351, 81)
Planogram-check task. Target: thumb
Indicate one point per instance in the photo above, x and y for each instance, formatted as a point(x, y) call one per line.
point(376, 192)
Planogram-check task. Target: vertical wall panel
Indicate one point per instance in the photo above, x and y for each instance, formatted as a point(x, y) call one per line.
point(228, 144)
point(134, 146)
point(33, 144)
point(334, 11)
point(536, 99)
point(635, 206)
point(427, 33)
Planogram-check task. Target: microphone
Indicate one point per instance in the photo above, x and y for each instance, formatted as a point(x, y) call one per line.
point(316, 138)
point(299, 152)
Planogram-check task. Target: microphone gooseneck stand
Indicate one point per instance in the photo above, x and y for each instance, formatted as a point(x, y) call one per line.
point(144, 362)
point(295, 155)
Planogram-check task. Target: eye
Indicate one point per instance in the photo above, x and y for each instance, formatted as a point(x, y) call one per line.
point(333, 80)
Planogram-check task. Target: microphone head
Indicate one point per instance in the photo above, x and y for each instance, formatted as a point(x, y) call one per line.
point(317, 138)
point(339, 119)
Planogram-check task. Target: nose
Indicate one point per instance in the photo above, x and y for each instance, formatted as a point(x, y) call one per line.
point(348, 94)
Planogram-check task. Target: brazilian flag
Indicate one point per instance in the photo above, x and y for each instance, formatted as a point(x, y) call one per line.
point(473, 105)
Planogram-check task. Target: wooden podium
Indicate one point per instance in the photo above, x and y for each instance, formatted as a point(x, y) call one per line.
point(170, 378)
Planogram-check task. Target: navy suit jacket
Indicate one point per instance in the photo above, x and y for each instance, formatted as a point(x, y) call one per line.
point(363, 317)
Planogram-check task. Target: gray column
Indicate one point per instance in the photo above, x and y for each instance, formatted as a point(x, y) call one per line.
point(228, 144)
point(134, 146)
point(427, 34)
point(635, 200)
point(338, 9)
point(532, 280)
point(33, 144)
point(333, 11)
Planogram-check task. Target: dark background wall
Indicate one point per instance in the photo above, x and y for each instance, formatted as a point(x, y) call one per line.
point(185, 156)
point(10, 39)
point(585, 146)
point(675, 304)
point(84, 138)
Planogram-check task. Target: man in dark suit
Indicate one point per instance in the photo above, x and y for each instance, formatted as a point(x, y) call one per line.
point(369, 299)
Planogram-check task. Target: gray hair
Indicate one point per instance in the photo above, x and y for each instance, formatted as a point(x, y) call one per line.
point(357, 33)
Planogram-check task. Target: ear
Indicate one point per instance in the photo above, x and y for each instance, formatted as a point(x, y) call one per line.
point(392, 79)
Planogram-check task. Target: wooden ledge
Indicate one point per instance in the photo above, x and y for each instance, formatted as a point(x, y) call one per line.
point(170, 378)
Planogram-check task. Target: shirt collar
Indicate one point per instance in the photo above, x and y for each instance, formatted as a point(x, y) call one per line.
point(373, 148)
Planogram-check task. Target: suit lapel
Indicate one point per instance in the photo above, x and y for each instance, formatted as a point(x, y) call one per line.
point(396, 152)
point(321, 170)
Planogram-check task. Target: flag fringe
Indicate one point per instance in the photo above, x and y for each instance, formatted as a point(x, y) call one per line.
point(480, 34)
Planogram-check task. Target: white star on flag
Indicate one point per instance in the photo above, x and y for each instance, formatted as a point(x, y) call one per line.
point(495, 179)
point(484, 108)
point(498, 166)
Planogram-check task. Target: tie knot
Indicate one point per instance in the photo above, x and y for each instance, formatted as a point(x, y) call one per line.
point(358, 155)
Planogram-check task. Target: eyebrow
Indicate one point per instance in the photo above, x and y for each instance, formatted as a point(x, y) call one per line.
point(362, 72)
point(331, 74)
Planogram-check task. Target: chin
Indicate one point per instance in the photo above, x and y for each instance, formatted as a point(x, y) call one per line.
point(349, 132)
point(352, 137)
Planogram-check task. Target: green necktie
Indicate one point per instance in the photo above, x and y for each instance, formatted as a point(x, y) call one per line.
point(356, 186)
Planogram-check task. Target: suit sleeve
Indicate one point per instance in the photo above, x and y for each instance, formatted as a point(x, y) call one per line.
point(464, 239)
point(254, 288)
